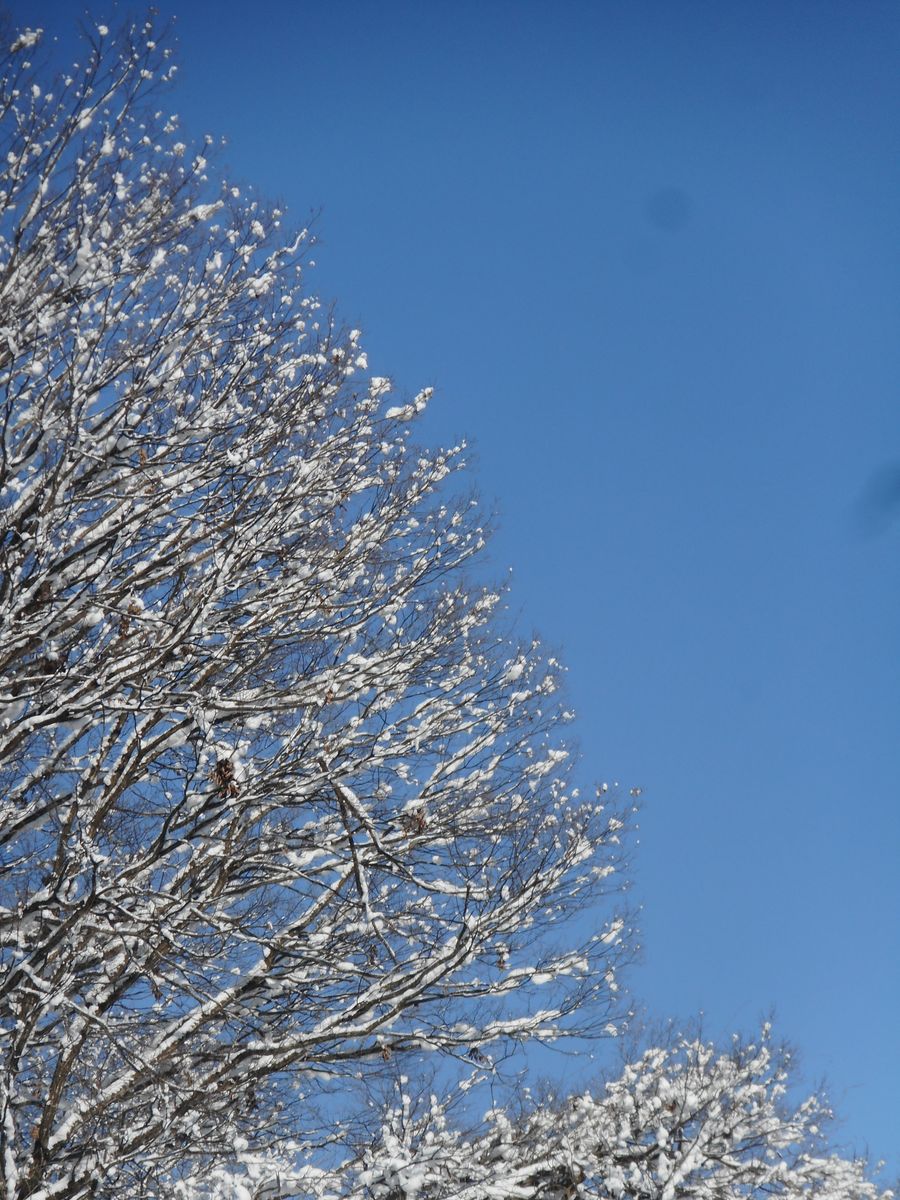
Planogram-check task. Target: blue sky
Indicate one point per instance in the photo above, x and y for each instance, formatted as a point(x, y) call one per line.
point(648, 255)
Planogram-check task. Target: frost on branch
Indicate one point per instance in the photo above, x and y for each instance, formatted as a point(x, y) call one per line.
point(280, 799)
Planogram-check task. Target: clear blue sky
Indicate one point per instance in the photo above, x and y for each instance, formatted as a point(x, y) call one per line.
point(648, 255)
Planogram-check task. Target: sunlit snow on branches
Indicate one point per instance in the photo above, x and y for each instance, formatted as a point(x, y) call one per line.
point(281, 798)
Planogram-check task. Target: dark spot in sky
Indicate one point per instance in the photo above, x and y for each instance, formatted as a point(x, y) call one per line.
point(878, 506)
point(668, 209)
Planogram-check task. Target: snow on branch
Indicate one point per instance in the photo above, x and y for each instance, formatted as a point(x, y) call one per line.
point(281, 797)
point(685, 1122)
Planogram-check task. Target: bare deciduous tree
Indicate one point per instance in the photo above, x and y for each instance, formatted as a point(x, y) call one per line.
point(280, 798)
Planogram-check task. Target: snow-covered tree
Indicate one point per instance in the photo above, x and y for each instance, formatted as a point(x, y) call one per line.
point(684, 1122)
point(281, 799)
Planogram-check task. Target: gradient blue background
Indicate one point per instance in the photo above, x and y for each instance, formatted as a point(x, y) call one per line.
point(648, 254)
